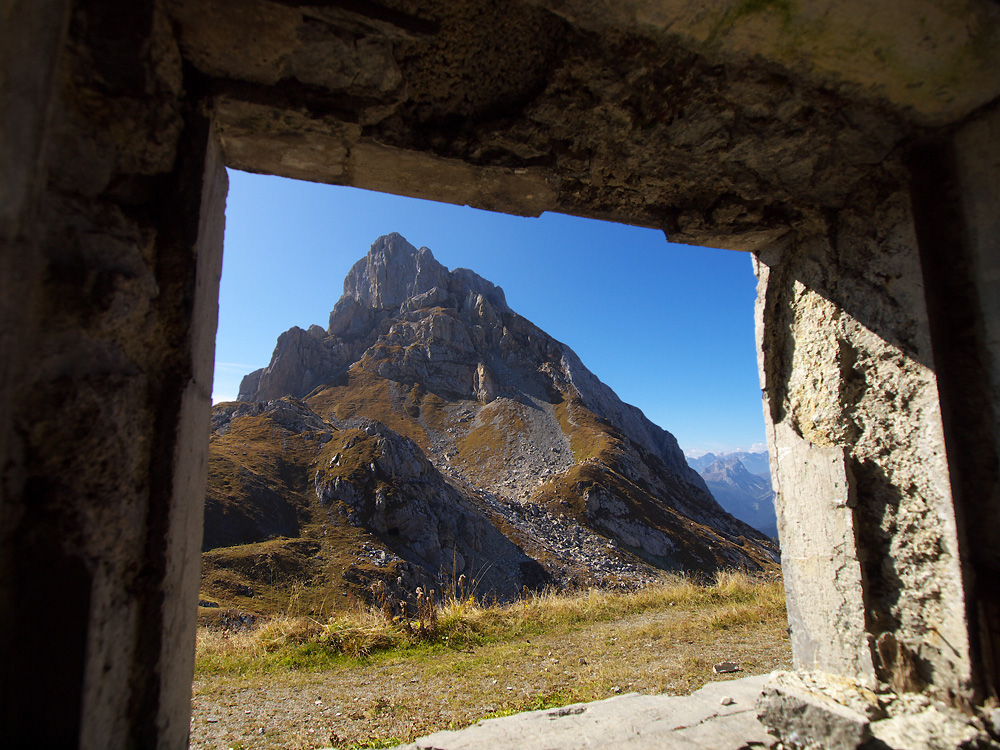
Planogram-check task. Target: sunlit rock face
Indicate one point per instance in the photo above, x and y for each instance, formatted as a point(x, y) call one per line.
point(502, 428)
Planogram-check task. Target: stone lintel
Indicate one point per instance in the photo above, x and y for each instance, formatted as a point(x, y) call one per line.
point(260, 138)
point(934, 61)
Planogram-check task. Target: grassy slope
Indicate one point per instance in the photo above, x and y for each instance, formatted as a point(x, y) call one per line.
point(318, 572)
point(600, 451)
point(259, 467)
point(548, 651)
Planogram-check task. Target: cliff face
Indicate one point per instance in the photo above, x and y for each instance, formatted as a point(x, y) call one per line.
point(501, 423)
point(394, 284)
point(407, 318)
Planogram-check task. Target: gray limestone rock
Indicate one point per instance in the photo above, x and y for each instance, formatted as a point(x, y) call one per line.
point(818, 711)
point(935, 727)
point(611, 514)
point(301, 360)
point(473, 289)
point(638, 722)
point(393, 279)
point(811, 712)
point(249, 385)
point(401, 497)
point(392, 273)
point(349, 318)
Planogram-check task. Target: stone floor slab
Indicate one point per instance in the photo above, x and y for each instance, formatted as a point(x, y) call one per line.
point(720, 716)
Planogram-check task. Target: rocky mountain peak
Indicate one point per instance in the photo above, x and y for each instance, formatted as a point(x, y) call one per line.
point(484, 445)
point(392, 272)
point(728, 466)
point(414, 321)
point(745, 494)
point(396, 276)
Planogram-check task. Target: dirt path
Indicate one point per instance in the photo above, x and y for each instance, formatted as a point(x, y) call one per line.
point(391, 697)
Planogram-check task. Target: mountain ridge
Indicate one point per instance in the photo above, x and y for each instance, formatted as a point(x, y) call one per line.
point(368, 292)
point(502, 413)
point(741, 482)
point(756, 461)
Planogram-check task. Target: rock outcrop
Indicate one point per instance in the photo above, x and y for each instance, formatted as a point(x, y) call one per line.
point(383, 482)
point(456, 335)
point(394, 279)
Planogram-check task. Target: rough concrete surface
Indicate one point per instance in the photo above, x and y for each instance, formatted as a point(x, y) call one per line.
point(831, 714)
point(808, 711)
point(851, 146)
point(705, 719)
point(817, 711)
point(858, 455)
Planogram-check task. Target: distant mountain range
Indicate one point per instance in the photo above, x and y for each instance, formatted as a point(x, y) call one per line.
point(756, 462)
point(429, 434)
point(741, 482)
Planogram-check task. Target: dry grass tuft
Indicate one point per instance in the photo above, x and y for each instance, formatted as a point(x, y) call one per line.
point(373, 677)
point(732, 600)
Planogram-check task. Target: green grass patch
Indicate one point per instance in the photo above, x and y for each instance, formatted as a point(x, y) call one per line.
point(733, 600)
point(375, 742)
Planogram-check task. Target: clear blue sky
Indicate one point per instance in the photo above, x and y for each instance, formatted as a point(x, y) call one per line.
point(668, 327)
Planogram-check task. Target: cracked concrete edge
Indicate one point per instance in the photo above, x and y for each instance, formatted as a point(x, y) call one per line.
point(632, 720)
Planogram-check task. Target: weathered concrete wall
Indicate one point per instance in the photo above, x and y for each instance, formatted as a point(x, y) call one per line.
point(923, 55)
point(112, 248)
point(31, 40)
point(956, 194)
point(870, 547)
point(978, 156)
point(773, 127)
point(516, 109)
point(977, 147)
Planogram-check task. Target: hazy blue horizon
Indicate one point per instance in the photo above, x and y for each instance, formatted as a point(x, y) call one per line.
point(668, 327)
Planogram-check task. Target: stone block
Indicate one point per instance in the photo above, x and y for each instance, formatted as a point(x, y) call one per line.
point(637, 722)
point(814, 711)
point(933, 729)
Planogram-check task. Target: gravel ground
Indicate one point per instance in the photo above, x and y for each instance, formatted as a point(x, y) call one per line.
point(403, 699)
point(538, 450)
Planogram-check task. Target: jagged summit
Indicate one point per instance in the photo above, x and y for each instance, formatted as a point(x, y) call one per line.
point(393, 274)
point(729, 467)
point(476, 352)
point(394, 279)
point(508, 417)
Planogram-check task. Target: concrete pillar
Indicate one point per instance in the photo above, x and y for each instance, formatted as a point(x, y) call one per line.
point(977, 147)
point(112, 255)
point(870, 547)
point(31, 38)
point(956, 189)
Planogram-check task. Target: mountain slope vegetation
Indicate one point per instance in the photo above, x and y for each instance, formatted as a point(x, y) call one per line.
point(431, 437)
